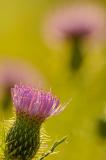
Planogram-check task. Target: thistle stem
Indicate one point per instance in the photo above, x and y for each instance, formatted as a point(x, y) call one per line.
point(77, 55)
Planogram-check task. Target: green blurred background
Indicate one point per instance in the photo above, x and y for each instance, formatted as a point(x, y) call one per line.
point(20, 38)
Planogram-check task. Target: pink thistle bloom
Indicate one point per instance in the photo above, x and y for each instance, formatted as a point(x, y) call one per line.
point(35, 103)
point(81, 20)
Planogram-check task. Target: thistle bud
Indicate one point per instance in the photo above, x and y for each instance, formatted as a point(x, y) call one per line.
point(33, 107)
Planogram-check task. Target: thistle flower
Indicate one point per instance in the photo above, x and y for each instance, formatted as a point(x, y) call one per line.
point(35, 103)
point(74, 24)
point(33, 107)
point(79, 20)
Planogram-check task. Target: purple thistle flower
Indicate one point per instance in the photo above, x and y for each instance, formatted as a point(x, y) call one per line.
point(35, 103)
point(33, 106)
point(81, 20)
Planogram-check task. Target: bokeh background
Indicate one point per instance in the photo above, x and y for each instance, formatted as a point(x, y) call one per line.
point(22, 42)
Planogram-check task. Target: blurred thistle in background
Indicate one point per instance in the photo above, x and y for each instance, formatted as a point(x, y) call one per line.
point(13, 71)
point(33, 107)
point(75, 24)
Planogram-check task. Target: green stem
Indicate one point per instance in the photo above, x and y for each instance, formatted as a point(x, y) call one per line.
point(54, 146)
point(77, 55)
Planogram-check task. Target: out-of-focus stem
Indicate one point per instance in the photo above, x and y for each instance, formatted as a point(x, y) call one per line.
point(77, 55)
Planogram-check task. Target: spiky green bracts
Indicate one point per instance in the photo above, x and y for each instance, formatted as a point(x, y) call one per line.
point(23, 139)
point(32, 108)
